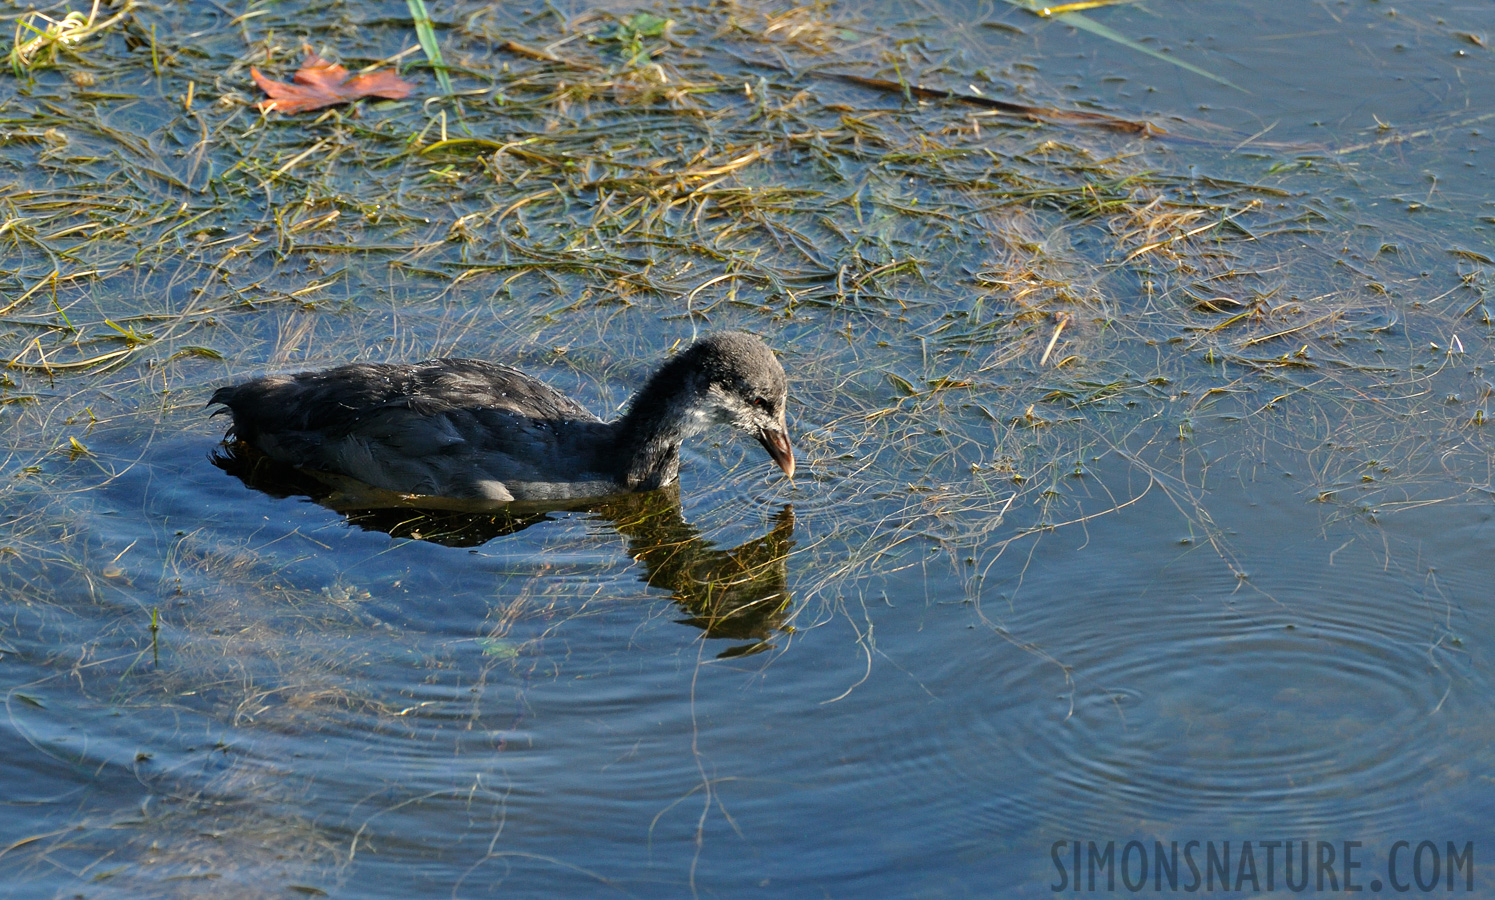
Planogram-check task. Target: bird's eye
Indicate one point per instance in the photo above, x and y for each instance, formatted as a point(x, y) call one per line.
point(762, 403)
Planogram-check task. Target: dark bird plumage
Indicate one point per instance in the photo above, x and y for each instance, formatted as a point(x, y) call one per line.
point(477, 430)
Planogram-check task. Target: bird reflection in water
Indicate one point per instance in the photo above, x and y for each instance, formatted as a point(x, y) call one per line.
point(739, 594)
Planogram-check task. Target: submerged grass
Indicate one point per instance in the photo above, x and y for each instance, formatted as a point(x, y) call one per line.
point(987, 317)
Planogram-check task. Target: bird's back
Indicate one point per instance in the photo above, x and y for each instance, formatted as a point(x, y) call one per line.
point(446, 427)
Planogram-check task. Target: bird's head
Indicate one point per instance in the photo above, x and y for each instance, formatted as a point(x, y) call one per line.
point(743, 385)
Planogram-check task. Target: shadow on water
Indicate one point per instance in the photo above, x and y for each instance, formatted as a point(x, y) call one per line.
point(739, 594)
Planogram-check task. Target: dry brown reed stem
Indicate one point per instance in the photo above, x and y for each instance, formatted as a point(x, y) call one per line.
point(1061, 320)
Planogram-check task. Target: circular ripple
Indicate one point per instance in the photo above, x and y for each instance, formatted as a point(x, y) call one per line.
point(1329, 716)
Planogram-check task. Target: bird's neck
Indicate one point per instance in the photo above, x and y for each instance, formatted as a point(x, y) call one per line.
point(664, 412)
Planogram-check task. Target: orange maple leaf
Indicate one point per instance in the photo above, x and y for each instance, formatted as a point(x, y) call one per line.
point(320, 83)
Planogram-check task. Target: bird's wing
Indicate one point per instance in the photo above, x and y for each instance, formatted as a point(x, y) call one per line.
point(312, 418)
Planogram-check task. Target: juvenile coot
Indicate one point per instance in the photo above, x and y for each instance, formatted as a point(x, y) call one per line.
point(477, 430)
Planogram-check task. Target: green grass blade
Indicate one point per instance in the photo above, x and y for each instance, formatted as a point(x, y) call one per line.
point(426, 34)
point(1085, 23)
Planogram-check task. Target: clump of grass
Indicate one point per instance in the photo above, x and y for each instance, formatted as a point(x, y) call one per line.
point(40, 38)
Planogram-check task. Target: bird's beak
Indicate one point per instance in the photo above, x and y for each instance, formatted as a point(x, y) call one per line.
point(776, 442)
